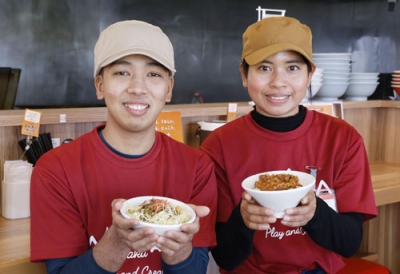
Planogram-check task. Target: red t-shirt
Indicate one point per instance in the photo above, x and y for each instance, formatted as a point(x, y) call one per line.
point(242, 148)
point(72, 188)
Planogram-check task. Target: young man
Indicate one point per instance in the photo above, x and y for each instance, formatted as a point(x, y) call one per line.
point(76, 226)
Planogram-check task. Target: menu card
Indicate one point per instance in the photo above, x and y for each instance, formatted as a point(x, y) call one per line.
point(170, 123)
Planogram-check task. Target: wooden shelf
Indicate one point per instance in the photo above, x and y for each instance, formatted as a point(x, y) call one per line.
point(99, 114)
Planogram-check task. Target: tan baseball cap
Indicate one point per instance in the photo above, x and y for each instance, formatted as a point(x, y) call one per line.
point(133, 37)
point(274, 34)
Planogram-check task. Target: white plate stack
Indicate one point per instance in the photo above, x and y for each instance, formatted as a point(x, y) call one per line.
point(396, 83)
point(361, 85)
point(335, 79)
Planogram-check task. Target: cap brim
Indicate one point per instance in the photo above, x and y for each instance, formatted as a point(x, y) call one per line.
point(260, 55)
point(141, 51)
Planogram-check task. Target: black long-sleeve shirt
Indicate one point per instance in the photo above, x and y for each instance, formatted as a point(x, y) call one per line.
point(338, 232)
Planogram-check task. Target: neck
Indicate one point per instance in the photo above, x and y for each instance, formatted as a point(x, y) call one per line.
point(130, 143)
point(281, 124)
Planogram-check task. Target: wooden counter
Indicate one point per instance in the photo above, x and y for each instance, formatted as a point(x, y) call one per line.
point(376, 121)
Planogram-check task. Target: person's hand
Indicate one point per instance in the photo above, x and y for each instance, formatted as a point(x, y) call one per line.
point(140, 240)
point(111, 251)
point(176, 246)
point(303, 213)
point(254, 215)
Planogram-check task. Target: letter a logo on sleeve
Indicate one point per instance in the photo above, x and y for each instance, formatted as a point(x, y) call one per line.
point(328, 195)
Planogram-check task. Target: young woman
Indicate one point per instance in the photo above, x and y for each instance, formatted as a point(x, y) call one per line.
point(278, 134)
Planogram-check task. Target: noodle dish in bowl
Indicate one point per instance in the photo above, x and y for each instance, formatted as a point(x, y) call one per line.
point(160, 213)
point(279, 190)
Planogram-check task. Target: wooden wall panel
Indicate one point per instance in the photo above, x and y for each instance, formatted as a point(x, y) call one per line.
point(391, 135)
point(370, 123)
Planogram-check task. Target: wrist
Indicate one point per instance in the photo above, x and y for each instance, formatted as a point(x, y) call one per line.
point(110, 253)
point(178, 257)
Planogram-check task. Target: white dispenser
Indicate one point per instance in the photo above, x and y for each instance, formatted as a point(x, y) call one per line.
point(16, 189)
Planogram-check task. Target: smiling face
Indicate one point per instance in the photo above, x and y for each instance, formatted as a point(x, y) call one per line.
point(135, 89)
point(278, 84)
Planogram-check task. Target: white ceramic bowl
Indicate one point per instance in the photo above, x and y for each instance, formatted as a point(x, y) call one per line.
point(336, 75)
point(337, 71)
point(317, 76)
point(360, 91)
point(160, 229)
point(280, 200)
point(315, 87)
point(333, 55)
point(364, 75)
point(328, 80)
point(365, 81)
point(331, 92)
point(316, 81)
point(327, 66)
point(331, 59)
point(319, 71)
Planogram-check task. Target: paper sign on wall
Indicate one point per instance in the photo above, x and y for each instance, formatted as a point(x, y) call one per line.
point(31, 123)
point(170, 123)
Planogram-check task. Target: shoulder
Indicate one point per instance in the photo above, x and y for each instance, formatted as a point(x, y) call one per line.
point(178, 150)
point(331, 121)
point(335, 129)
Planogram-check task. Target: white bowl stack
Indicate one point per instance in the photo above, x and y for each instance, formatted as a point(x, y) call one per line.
point(361, 85)
point(316, 83)
point(396, 83)
point(335, 79)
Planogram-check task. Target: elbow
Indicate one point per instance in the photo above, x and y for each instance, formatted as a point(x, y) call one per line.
point(350, 251)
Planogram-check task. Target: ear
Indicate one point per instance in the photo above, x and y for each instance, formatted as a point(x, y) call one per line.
point(169, 91)
point(99, 84)
point(244, 76)
point(313, 68)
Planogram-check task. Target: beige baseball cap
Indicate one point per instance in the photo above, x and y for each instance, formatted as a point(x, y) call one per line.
point(133, 37)
point(274, 34)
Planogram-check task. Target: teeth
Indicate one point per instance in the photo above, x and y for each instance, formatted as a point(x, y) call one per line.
point(136, 107)
point(279, 98)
